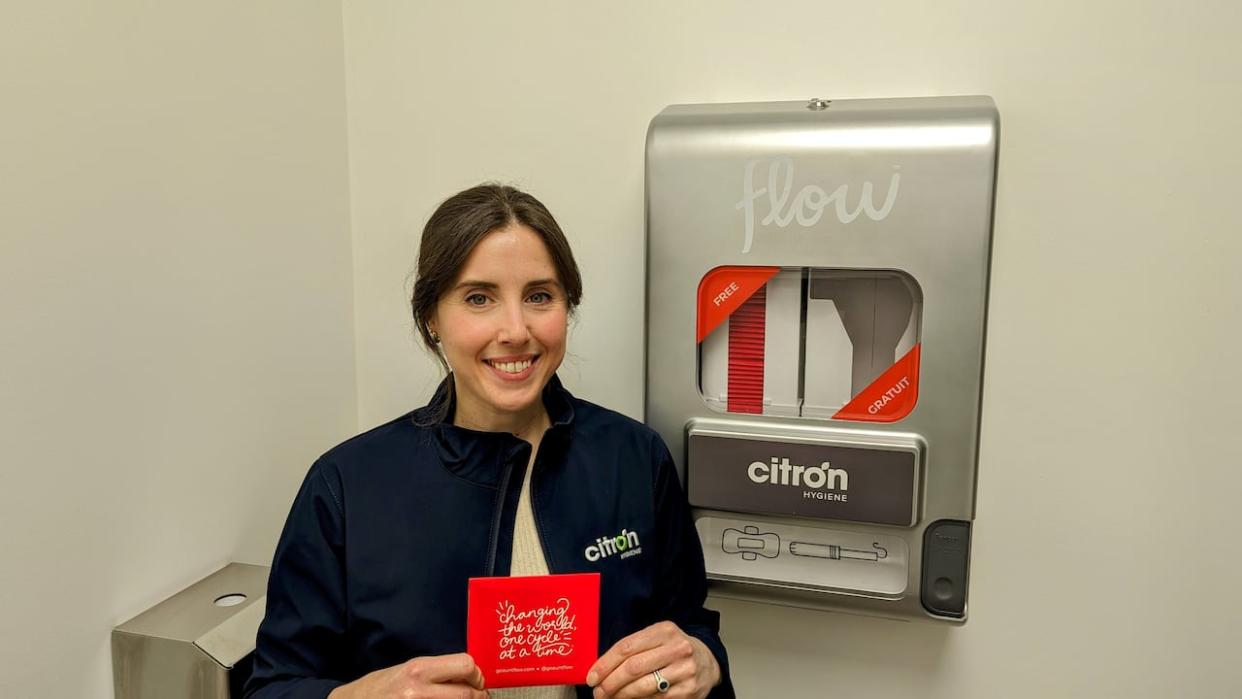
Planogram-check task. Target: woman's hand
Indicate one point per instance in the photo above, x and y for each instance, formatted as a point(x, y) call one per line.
point(429, 677)
point(626, 670)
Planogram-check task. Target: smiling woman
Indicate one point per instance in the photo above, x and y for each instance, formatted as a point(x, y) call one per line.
point(502, 473)
point(490, 259)
point(502, 330)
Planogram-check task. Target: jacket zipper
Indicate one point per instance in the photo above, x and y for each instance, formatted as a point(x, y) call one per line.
point(534, 514)
point(496, 519)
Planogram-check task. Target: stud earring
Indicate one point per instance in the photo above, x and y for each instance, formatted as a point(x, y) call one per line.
point(435, 336)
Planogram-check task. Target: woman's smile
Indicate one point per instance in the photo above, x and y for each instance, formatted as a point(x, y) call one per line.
point(513, 368)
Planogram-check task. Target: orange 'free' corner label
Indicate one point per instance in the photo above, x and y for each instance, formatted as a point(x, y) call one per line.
point(723, 290)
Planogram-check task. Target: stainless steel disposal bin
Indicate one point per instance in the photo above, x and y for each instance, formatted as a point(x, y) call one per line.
point(197, 644)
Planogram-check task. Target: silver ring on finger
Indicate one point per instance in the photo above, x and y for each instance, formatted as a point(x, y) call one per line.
point(662, 684)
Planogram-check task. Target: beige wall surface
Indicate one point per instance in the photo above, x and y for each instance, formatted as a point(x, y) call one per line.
point(175, 288)
point(1105, 563)
point(184, 313)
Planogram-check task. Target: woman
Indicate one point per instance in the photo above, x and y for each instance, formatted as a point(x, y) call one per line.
point(502, 473)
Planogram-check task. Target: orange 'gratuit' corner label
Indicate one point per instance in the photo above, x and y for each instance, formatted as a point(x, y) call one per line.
point(890, 397)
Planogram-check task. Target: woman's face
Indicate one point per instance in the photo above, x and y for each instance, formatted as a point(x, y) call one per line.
point(502, 327)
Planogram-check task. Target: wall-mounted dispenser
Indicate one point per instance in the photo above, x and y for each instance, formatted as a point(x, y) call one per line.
point(197, 644)
point(817, 291)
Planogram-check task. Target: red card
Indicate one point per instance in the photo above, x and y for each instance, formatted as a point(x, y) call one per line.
point(537, 630)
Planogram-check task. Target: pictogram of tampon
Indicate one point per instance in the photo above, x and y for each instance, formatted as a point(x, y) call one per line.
point(836, 553)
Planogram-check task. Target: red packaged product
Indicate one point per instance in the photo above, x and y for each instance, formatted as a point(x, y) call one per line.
point(539, 630)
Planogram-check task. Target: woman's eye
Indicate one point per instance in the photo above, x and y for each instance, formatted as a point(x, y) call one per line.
point(476, 299)
point(540, 297)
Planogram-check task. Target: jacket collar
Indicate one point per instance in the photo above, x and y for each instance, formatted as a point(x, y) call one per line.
point(477, 455)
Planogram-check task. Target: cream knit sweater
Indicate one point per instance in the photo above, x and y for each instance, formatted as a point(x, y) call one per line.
point(528, 559)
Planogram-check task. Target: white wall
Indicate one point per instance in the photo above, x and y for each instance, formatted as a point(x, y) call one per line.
point(176, 337)
point(1104, 561)
point(179, 305)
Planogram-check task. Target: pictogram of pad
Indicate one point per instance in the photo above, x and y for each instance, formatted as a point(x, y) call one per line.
point(750, 543)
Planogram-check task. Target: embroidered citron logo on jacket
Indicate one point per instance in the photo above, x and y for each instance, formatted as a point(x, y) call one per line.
point(626, 544)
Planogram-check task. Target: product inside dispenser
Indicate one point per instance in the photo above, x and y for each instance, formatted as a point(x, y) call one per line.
point(809, 342)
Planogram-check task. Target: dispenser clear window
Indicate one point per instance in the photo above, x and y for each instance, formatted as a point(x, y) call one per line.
point(809, 342)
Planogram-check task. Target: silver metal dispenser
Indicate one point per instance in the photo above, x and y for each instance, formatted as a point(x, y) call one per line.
point(817, 278)
point(196, 644)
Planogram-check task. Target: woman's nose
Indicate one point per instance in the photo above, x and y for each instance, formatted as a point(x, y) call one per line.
point(513, 329)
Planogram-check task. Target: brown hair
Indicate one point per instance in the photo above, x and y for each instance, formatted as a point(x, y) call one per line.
point(459, 223)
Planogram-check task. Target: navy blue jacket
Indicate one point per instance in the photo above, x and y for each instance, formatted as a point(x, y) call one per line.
point(372, 567)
